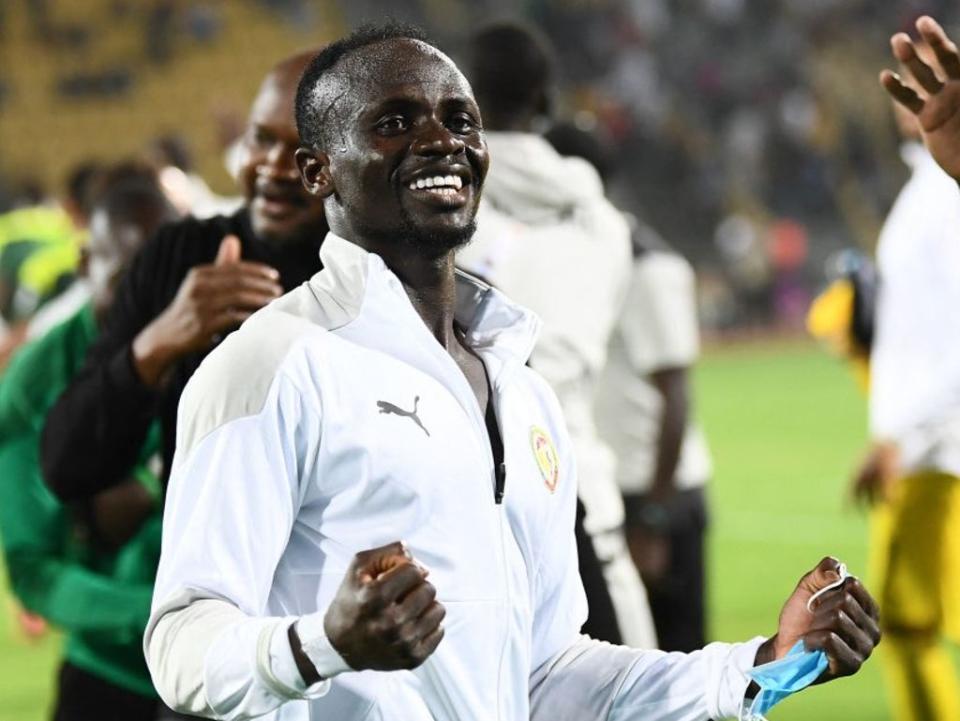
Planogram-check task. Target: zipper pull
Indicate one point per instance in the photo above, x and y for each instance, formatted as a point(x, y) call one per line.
point(500, 482)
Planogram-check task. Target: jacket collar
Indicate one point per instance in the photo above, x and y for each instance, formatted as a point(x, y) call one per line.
point(352, 276)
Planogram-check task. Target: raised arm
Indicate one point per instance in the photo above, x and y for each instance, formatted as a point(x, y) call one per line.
point(590, 679)
point(932, 95)
point(96, 429)
point(214, 645)
point(574, 677)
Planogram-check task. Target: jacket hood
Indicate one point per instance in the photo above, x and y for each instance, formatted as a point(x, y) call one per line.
point(530, 182)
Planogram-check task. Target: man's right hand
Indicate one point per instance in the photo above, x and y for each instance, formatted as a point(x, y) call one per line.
point(212, 298)
point(385, 615)
point(935, 101)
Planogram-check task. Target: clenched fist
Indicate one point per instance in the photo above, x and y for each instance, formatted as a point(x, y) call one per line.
point(385, 615)
point(843, 622)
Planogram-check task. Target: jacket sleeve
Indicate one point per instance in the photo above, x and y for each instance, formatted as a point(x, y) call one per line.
point(593, 679)
point(574, 677)
point(34, 526)
point(94, 433)
point(212, 646)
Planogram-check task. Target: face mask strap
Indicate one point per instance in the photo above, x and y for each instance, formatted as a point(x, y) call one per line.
point(844, 575)
point(747, 713)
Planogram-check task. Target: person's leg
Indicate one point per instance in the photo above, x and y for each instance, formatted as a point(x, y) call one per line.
point(601, 621)
point(81, 696)
point(913, 548)
point(672, 565)
point(626, 590)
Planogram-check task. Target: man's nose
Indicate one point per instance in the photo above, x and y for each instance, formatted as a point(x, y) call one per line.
point(280, 163)
point(435, 138)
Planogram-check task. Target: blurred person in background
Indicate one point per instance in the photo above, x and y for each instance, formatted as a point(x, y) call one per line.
point(643, 410)
point(188, 192)
point(548, 237)
point(911, 476)
point(192, 284)
point(39, 255)
point(87, 568)
point(82, 184)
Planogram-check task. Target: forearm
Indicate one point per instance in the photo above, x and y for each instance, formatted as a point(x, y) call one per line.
point(153, 352)
point(209, 658)
point(93, 435)
point(75, 598)
point(672, 385)
point(597, 680)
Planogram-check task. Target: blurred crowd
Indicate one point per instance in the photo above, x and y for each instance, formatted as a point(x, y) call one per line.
point(752, 112)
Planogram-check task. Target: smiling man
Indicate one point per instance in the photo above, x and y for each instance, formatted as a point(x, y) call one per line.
point(388, 400)
point(193, 283)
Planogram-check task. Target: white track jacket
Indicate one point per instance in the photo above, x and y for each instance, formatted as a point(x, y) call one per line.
point(333, 422)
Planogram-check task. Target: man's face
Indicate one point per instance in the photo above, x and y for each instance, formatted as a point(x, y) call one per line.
point(407, 156)
point(280, 209)
point(110, 248)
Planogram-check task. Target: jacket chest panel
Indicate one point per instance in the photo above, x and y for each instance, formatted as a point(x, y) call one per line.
point(403, 460)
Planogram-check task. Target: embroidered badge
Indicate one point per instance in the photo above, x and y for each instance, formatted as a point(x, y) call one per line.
point(546, 456)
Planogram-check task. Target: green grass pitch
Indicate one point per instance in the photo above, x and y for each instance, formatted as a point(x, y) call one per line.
point(786, 425)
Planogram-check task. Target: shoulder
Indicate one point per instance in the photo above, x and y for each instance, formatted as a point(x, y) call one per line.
point(545, 397)
point(38, 373)
point(662, 269)
point(236, 378)
point(190, 241)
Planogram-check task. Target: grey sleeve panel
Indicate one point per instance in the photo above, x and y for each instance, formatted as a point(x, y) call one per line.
point(233, 381)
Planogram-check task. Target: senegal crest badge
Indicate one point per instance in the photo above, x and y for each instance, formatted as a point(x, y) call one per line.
point(546, 456)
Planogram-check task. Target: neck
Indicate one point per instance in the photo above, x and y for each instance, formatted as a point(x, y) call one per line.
point(430, 283)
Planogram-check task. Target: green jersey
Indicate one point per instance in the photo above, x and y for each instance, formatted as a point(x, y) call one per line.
point(100, 598)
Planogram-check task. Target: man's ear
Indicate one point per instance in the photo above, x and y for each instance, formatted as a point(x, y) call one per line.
point(315, 175)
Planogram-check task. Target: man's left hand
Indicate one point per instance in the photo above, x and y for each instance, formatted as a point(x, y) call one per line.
point(844, 622)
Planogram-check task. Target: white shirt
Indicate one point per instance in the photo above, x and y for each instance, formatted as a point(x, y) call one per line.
point(915, 361)
point(549, 239)
point(285, 468)
point(657, 330)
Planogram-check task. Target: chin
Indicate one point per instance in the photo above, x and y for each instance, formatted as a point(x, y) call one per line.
point(280, 233)
point(439, 241)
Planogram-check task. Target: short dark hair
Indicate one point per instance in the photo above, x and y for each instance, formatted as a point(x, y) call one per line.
point(81, 184)
point(511, 68)
point(311, 119)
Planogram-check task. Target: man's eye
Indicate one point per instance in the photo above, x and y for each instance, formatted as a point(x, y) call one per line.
point(392, 124)
point(463, 123)
point(261, 137)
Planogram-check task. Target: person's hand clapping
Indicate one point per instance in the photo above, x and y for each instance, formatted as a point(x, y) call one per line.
point(844, 622)
point(934, 100)
point(212, 298)
point(385, 615)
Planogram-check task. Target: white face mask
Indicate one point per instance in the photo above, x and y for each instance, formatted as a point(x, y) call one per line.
point(105, 258)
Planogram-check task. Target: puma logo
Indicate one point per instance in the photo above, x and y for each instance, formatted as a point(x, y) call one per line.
point(386, 407)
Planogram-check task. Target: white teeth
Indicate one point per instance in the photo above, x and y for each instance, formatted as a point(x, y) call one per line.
point(442, 184)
